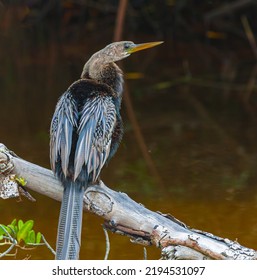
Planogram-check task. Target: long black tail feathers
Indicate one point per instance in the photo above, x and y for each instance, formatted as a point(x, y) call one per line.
point(70, 222)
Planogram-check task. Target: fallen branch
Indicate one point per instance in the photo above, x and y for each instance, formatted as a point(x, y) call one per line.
point(124, 216)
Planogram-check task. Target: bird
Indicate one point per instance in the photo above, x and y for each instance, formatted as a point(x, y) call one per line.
point(85, 133)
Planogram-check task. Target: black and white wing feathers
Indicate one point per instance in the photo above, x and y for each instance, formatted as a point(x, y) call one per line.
point(96, 125)
point(86, 133)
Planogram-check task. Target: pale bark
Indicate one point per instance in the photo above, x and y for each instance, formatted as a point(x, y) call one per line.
point(125, 216)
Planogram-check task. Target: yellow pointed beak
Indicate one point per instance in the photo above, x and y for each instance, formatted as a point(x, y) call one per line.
point(140, 47)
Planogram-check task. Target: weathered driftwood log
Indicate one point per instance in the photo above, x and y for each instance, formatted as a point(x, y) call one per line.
point(125, 216)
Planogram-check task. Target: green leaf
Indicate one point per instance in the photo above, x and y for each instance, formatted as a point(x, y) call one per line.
point(13, 225)
point(14, 222)
point(20, 224)
point(24, 231)
point(11, 229)
point(38, 238)
point(2, 227)
point(31, 238)
point(21, 181)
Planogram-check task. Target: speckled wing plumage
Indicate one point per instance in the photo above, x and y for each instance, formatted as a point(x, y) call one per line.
point(85, 130)
point(64, 122)
point(95, 128)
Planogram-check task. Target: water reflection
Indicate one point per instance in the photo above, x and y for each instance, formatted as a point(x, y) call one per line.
point(199, 132)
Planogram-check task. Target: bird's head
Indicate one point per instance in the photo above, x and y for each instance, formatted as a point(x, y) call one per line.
point(119, 50)
point(113, 52)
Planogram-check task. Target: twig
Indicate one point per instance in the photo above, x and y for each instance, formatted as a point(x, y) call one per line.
point(107, 243)
point(14, 242)
point(48, 245)
point(250, 35)
point(120, 20)
point(226, 8)
point(202, 83)
point(128, 102)
point(145, 253)
point(246, 94)
point(205, 115)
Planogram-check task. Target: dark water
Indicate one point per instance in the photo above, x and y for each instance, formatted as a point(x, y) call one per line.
point(196, 107)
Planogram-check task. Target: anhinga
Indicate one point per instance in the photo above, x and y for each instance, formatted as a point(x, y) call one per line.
point(86, 130)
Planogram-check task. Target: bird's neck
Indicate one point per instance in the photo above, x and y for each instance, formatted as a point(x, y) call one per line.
point(106, 73)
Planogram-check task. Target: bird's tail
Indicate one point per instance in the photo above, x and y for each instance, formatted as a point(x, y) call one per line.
point(70, 221)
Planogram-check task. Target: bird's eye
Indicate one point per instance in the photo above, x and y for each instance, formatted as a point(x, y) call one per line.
point(126, 46)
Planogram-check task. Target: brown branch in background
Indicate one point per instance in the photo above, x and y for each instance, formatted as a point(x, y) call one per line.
point(246, 94)
point(227, 8)
point(251, 82)
point(205, 115)
point(249, 35)
point(120, 20)
point(127, 99)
